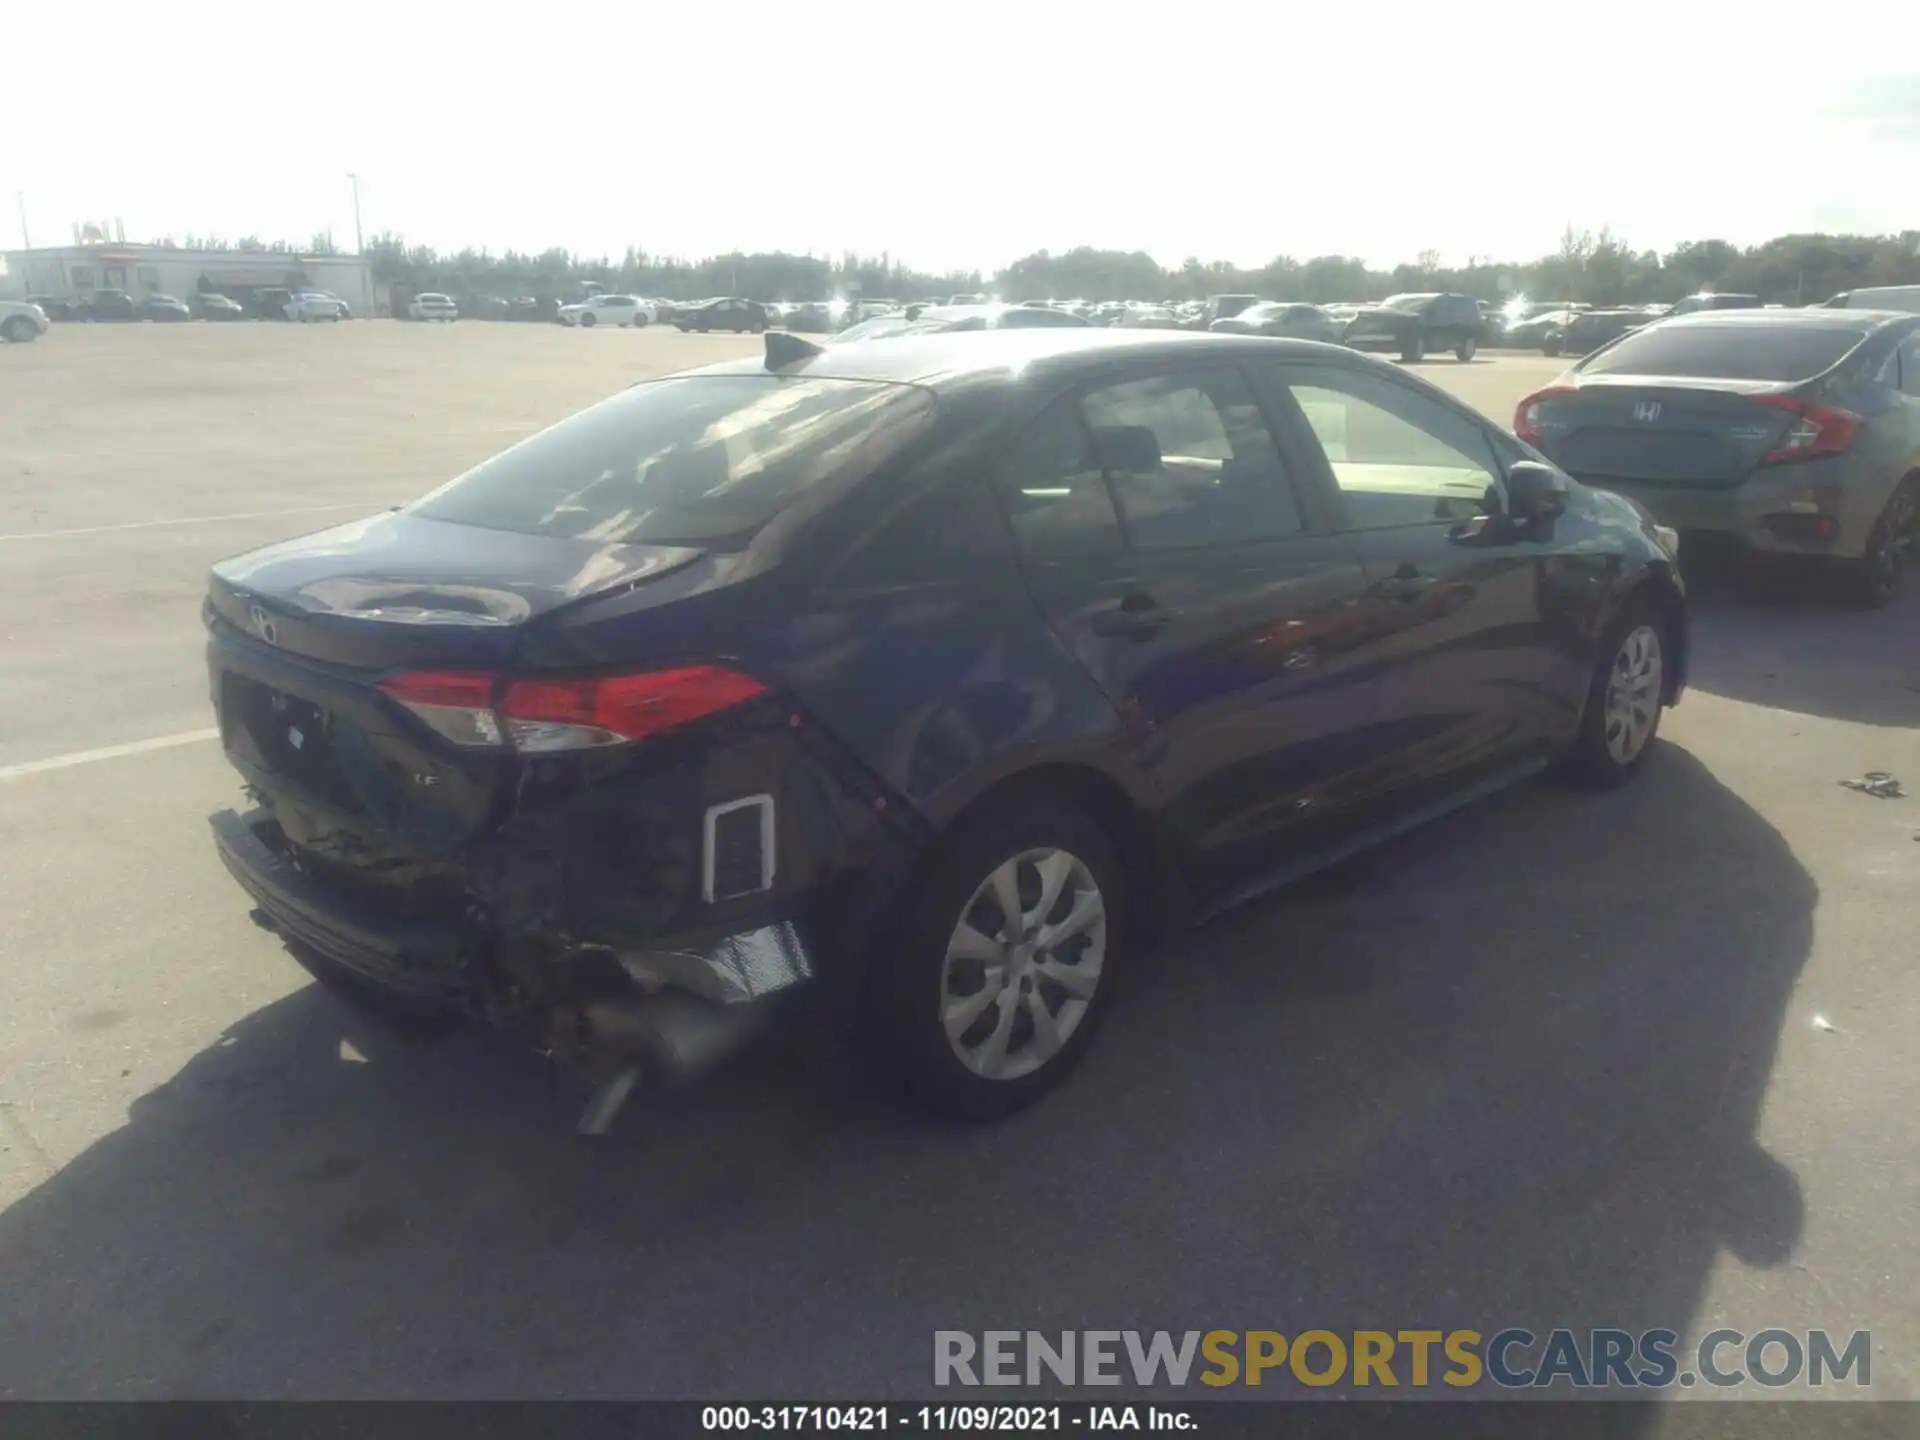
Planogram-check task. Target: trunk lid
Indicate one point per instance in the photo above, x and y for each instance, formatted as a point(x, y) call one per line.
point(302, 633)
point(399, 590)
point(1661, 433)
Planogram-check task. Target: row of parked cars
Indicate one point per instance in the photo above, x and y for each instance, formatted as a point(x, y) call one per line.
point(270, 303)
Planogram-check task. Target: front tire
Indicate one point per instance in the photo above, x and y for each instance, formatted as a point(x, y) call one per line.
point(587, 322)
point(1414, 350)
point(19, 330)
point(1006, 961)
point(1872, 581)
point(1624, 701)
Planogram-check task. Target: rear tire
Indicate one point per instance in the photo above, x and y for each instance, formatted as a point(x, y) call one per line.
point(1624, 701)
point(19, 330)
point(973, 1055)
point(1465, 350)
point(1553, 345)
point(1872, 582)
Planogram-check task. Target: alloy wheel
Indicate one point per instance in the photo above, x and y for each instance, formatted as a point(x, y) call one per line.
point(1023, 964)
point(1633, 694)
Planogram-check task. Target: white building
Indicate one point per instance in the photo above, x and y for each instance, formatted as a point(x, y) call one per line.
point(75, 272)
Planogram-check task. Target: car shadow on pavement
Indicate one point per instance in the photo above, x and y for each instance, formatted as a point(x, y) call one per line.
point(1505, 1071)
point(1792, 647)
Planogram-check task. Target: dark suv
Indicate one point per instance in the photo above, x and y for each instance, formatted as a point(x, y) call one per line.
point(1412, 326)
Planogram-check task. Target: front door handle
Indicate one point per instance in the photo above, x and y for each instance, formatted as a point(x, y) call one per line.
point(1405, 585)
point(1135, 618)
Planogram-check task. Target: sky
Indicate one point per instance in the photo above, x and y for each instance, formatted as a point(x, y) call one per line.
point(967, 136)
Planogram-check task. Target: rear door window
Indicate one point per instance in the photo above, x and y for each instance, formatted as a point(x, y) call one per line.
point(1191, 460)
point(1055, 493)
point(1910, 365)
point(1781, 354)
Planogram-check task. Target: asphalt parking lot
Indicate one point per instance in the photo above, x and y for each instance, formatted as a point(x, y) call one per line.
point(1552, 1062)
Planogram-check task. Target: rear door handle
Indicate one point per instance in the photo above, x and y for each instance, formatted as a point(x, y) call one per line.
point(1134, 618)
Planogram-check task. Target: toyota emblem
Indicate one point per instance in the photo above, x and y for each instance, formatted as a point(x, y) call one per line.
point(262, 624)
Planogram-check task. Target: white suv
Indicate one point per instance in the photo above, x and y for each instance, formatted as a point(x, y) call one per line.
point(608, 310)
point(21, 321)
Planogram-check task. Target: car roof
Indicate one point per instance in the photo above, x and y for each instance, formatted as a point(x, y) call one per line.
point(1819, 318)
point(946, 357)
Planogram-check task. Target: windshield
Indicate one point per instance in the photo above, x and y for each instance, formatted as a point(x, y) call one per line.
point(691, 460)
point(882, 327)
point(1781, 354)
point(1409, 302)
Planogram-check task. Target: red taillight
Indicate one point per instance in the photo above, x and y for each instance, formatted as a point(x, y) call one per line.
point(545, 715)
point(1526, 415)
point(540, 716)
point(1816, 430)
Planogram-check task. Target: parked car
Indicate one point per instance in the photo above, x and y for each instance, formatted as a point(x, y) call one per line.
point(21, 321)
point(808, 317)
point(1530, 333)
point(1790, 435)
point(270, 302)
point(209, 305)
point(167, 309)
point(538, 308)
point(1150, 317)
point(57, 307)
point(432, 306)
point(946, 319)
point(727, 312)
point(1297, 322)
point(627, 310)
point(1902, 298)
point(112, 306)
point(631, 739)
point(1706, 300)
point(1413, 326)
point(1587, 330)
point(311, 306)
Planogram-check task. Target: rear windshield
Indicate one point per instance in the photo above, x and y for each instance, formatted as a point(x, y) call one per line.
point(1409, 302)
point(695, 460)
point(1728, 352)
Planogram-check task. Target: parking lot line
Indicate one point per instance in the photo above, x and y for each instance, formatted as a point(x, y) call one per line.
point(105, 752)
point(190, 520)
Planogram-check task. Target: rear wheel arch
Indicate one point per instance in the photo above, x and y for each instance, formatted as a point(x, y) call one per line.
point(1138, 840)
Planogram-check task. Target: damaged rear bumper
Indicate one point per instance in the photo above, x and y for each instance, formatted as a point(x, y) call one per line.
point(668, 1012)
point(417, 962)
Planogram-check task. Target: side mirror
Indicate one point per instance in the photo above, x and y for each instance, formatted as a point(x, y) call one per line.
point(1535, 491)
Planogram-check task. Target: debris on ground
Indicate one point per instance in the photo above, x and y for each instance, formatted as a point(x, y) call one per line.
point(1820, 1022)
point(1877, 783)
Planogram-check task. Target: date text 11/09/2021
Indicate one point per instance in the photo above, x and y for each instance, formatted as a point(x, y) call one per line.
point(943, 1419)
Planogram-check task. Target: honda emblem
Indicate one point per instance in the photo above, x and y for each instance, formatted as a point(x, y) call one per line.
point(1647, 411)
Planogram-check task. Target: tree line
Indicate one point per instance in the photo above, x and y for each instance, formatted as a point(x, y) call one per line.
point(1596, 267)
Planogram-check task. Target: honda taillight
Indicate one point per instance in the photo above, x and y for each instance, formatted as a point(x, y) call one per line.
point(1816, 429)
point(455, 703)
point(545, 716)
point(1526, 415)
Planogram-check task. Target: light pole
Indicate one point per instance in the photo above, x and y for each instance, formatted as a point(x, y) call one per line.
point(26, 240)
point(359, 243)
